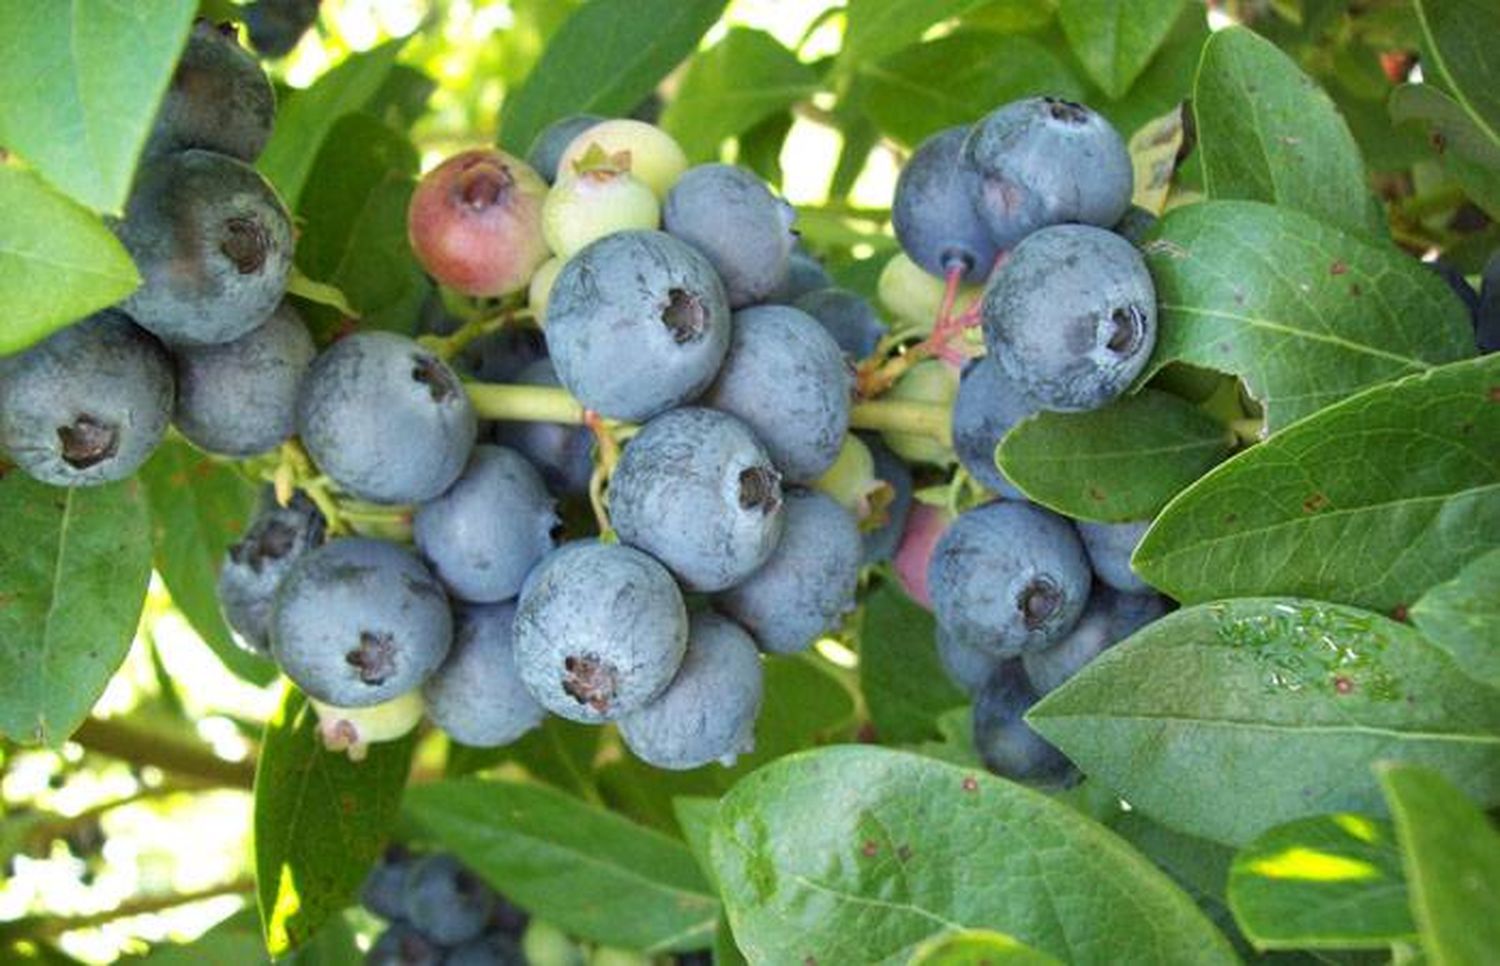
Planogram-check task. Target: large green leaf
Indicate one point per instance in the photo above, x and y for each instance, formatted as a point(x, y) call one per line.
point(321, 821)
point(604, 59)
point(354, 210)
point(1267, 132)
point(1369, 502)
point(1462, 617)
point(1167, 80)
point(1326, 882)
point(80, 82)
point(304, 119)
point(860, 854)
point(74, 565)
point(1459, 43)
point(577, 866)
point(1225, 719)
point(902, 679)
point(1470, 153)
point(957, 79)
point(58, 263)
point(729, 88)
point(1305, 314)
point(199, 507)
point(876, 28)
point(1119, 463)
point(1451, 853)
point(1115, 41)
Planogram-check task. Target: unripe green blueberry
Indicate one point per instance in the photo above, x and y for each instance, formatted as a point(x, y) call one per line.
point(540, 290)
point(655, 158)
point(929, 381)
point(914, 297)
point(851, 478)
point(353, 730)
point(593, 203)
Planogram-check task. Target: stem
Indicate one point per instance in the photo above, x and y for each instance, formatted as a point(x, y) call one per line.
point(46, 927)
point(118, 738)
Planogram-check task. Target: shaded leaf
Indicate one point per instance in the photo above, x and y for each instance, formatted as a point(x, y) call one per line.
point(1468, 152)
point(1458, 41)
point(875, 28)
point(1116, 41)
point(899, 672)
point(1462, 617)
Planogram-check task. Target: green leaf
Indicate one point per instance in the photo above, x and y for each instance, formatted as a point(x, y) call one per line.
point(74, 566)
point(899, 672)
point(1122, 462)
point(58, 263)
point(1167, 80)
point(1197, 864)
point(876, 28)
point(1225, 719)
point(81, 82)
point(353, 208)
point(1468, 152)
point(1313, 511)
point(1116, 41)
point(304, 119)
point(1304, 313)
point(1458, 41)
point(1267, 132)
point(1328, 882)
point(320, 293)
point(321, 821)
point(603, 60)
point(861, 854)
point(695, 816)
point(586, 870)
point(977, 947)
point(734, 85)
point(1462, 617)
point(957, 79)
point(1451, 853)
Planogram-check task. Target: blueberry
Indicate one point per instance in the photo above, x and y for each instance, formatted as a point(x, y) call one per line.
point(1071, 316)
point(808, 584)
point(1007, 745)
point(404, 945)
point(851, 479)
point(353, 730)
point(933, 210)
point(935, 383)
point(987, 406)
point(256, 564)
point(219, 100)
point(890, 522)
point(547, 149)
point(386, 419)
point(486, 532)
point(697, 491)
point(600, 631)
point(1008, 577)
point(637, 323)
point(502, 356)
point(384, 889)
point(88, 404)
point(1109, 618)
point(967, 667)
point(803, 275)
point(708, 712)
point(539, 292)
point(729, 215)
point(1487, 315)
point(213, 244)
point(275, 26)
point(1134, 224)
point(848, 317)
point(655, 157)
point(1109, 546)
point(491, 949)
point(787, 379)
point(476, 696)
point(358, 621)
point(914, 297)
point(240, 398)
point(925, 525)
point(446, 901)
point(590, 204)
point(1043, 161)
point(563, 454)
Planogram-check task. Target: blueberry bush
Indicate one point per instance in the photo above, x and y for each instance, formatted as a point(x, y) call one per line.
point(463, 442)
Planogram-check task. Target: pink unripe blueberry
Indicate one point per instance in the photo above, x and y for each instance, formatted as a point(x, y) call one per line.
point(923, 528)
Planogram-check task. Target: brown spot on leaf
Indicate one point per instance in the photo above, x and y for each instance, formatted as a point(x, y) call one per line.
point(1337, 268)
point(869, 850)
point(904, 853)
point(1398, 613)
point(971, 784)
point(1343, 685)
point(1097, 495)
point(1315, 503)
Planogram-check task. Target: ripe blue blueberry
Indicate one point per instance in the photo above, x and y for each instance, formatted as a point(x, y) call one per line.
point(1109, 546)
point(359, 621)
point(967, 667)
point(563, 454)
point(1134, 225)
point(787, 379)
point(988, 405)
point(1007, 745)
point(446, 901)
point(1044, 161)
point(213, 244)
point(600, 631)
point(708, 712)
point(881, 541)
point(1071, 316)
point(476, 696)
point(1109, 618)
point(275, 26)
point(1487, 314)
point(384, 889)
point(88, 404)
point(402, 944)
point(547, 149)
point(219, 100)
point(256, 564)
point(934, 215)
point(637, 323)
point(486, 532)
point(697, 491)
point(803, 274)
point(848, 317)
point(386, 419)
point(240, 398)
point(491, 949)
point(1008, 577)
point(808, 583)
point(730, 216)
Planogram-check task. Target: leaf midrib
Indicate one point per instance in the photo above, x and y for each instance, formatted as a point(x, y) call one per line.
point(1298, 730)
